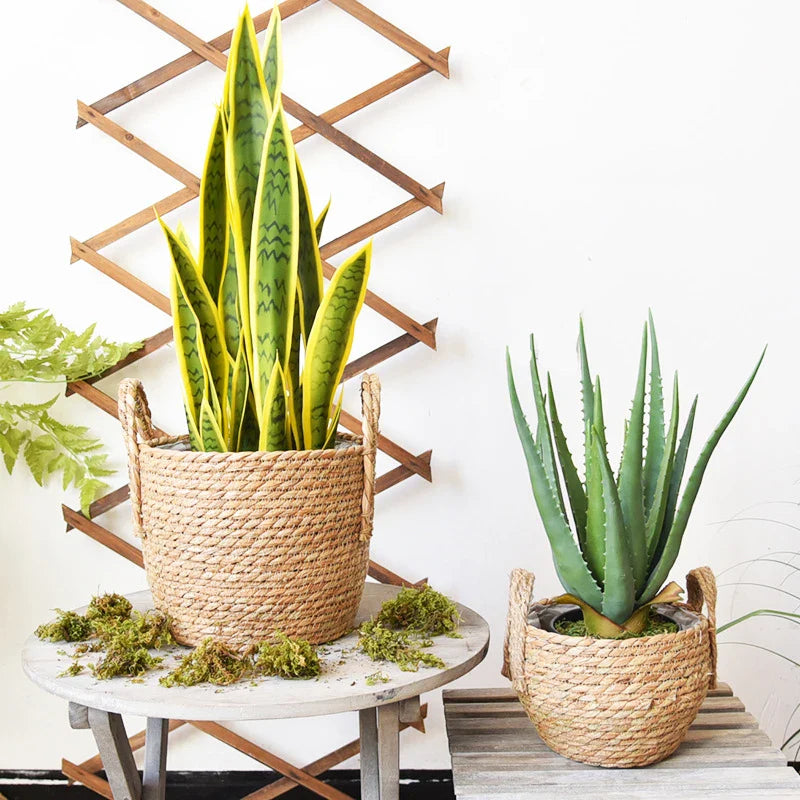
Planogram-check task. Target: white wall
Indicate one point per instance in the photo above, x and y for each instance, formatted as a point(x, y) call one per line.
point(600, 158)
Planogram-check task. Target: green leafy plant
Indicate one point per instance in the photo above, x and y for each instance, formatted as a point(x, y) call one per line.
point(261, 347)
point(628, 527)
point(35, 347)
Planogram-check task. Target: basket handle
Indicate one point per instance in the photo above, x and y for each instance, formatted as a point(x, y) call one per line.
point(134, 414)
point(701, 588)
point(520, 593)
point(371, 411)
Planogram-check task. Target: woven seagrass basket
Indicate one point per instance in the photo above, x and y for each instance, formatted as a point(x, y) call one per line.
point(610, 702)
point(238, 546)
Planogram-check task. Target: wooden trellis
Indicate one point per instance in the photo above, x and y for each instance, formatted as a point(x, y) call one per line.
point(413, 332)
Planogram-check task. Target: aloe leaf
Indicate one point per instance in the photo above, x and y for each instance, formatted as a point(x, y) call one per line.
point(248, 111)
point(273, 415)
point(273, 256)
point(655, 518)
point(330, 342)
point(273, 61)
point(318, 225)
point(210, 432)
point(675, 536)
point(543, 440)
point(656, 441)
point(198, 297)
point(587, 396)
point(630, 475)
point(575, 490)
point(594, 546)
point(571, 568)
point(619, 591)
point(309, 263)
point(213, 213)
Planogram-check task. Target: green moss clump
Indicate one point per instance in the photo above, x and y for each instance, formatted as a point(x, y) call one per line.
point(424, 611)
point(287, 658)
point(149, 630)
point(209, 662)
point(123, 660)
point(401, 647)
point(655, 625)
point(109, 606)
point(375, 678)
point(72, 670)
point(68, 627)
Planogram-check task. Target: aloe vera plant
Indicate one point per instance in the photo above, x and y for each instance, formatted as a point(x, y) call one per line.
point(261, 345)
point(626, 529)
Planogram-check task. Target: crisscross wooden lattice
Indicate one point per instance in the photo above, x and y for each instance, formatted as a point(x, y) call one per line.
point(413, 332)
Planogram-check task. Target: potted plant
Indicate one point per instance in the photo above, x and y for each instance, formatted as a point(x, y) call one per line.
point(259, 521)
point(624, 691)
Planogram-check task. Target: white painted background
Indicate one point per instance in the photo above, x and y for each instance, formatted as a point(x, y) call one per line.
point(599, 158)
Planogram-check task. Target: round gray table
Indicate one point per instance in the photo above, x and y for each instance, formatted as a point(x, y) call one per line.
point(341, 687)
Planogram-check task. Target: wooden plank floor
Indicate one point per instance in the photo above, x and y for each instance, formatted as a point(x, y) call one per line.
point(496, 752)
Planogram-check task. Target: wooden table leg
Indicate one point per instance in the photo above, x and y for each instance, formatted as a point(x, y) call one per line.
point(154, 781)
point(380, 752)
point(115, 750)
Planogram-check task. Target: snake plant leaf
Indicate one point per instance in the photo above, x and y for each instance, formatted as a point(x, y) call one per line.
point(587, 395)
point(249, 111)
point(543, 439)
point(228, 300)
point(330, 439)
point(309, 263)
point(295, 408)
point(594, 548)
point(318, 225)
point(202, 304)
point(656, 441)
point(238, 389)
point(273, 61)
point(210, 433)
point(630, 475)
point(619, 591)
point(575, 490)
point(675, 536)
point(330, 342)
point(273, 415)
point(273, 256)
point(213, 213)
point(570, 566)
point(658, 507)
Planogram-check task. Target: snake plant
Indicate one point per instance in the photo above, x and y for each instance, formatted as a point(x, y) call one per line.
point(261, 345)
point(627, 527)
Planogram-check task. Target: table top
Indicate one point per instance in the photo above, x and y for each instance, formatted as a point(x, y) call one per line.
point(497, 753)
point(340, 687)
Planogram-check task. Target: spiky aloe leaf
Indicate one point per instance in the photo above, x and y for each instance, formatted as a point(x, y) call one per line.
point(630, 475)
point(543, 439)
point(273, 415)
point(572, 569)
point(273, 61)
point(594, 547)
point(655, 424)
point(587, 396)
point(655, 517)
point(675, 536)
point(309, 263)
point(211, 331)
point(575, 490)
point(619, 591)
point(273, 256)
point(318, 225)
point(330, 342)
point(213, 213)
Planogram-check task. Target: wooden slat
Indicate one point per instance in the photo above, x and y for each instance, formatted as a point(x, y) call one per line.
point(120, 275)
point(384, 352)
point(270, 760)
point(86, 778)
point(316, 768)
point(102, 535)
point(400, 473)
point(505, 694)
point(384, 575)
point(107, 502)
point(125, 137)
point(149, 345)
point(394, 34)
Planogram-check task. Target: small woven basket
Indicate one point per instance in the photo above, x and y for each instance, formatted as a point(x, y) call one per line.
point(610, 702)
point(238, 546)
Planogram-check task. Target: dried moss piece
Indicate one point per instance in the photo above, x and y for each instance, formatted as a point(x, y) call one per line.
point(109, 606)
point(376, 678)
point(68, 627)
point(424, 611)
point(149, 630)
point(401, 647)
point(75, 668)
point(287, 658)
point(655, 625)
point(124, 660)
point(209, 662)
